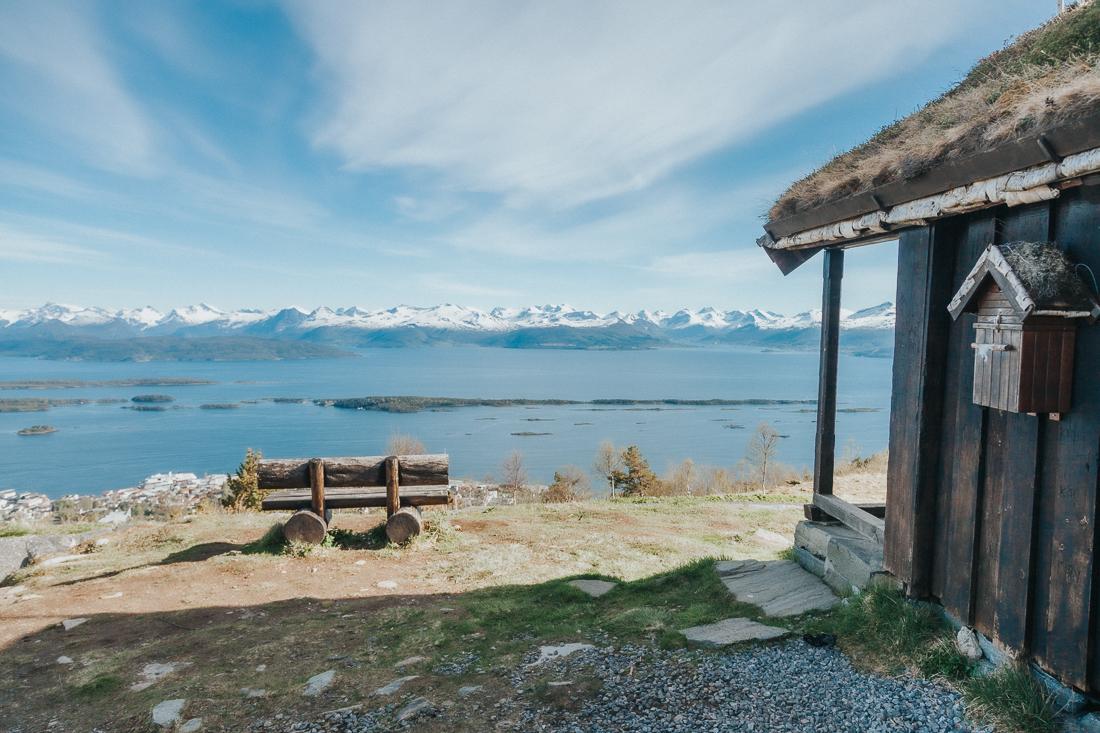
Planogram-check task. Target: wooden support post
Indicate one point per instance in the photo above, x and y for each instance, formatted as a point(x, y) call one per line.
point(825, 445)
point(393, 497)
point(317, 486)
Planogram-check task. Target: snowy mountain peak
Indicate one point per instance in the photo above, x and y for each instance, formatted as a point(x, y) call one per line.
point(207, 319)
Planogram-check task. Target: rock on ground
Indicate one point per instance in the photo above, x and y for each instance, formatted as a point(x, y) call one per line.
point(546, 653)
point(732, 631)
point(594, 588)
point(318, 683)
point(167, 713)
point(394, 686)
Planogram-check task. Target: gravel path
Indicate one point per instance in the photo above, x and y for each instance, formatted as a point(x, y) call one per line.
point(788, 687)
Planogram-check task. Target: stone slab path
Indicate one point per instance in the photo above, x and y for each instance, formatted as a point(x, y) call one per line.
point(594, 588)
point(731, 631)
point(777, 587)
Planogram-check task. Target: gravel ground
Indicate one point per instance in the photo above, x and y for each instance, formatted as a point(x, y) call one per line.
point(788, 687)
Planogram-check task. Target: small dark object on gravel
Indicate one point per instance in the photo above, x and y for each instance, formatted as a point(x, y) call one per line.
point(820, 640)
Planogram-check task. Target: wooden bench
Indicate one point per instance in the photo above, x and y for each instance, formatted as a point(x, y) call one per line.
point(314, 487)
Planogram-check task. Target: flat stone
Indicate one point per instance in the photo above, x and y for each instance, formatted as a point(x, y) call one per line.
point(387, 584)
point(815, 537)
point(155, 672)
point(191, 725)
point(777, 587)
point(60, 560)
point(409, 662)
point(851, 563)
point(72, 623)
point(109, 596)
point(594, 588)
point(417, 706)
point(732, 631)
point(254, 692)
point(318, 683)
point(64, 660)
point(772, 539)
point(467, 690)
point(547, 653)
point(394, 686)
point(167, 713)
point(809, 561)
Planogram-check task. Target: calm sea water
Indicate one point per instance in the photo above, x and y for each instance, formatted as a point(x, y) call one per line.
point(102, 447)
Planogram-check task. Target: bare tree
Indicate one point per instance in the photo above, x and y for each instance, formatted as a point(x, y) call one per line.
point(680, 480)
point(609, 464)
point(513, 472)
point(404, 445)
point(761, 450)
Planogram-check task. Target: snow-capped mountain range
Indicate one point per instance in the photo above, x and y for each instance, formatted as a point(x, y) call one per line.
point(202, 332)
point(150, 321)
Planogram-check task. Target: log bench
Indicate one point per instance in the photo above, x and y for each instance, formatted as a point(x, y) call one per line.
point(314, 487)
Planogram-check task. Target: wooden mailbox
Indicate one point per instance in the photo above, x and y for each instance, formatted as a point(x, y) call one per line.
point(1028, 301)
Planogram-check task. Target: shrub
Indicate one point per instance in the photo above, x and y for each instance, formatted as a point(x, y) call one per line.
point(638, 478)
point(570, 484)
point(243, 490)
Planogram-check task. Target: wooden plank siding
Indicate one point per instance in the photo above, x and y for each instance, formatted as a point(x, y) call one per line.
point(994, 513)
point(1070, 615)
point(960, 442)
point(925, 267)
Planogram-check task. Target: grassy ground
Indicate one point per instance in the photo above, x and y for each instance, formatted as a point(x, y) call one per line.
point(881, 631)
point(483, 588)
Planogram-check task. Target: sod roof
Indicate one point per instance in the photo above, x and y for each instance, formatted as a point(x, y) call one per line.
point(1046, 78)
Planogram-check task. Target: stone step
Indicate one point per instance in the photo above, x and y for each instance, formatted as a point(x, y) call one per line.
point(814, 537)
point(851, 563)
point(777, 587)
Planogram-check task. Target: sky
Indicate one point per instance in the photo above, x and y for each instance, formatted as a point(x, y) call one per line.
point(609, 155)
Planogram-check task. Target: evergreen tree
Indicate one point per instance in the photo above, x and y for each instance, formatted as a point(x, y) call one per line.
point(636, 478)
point(242, 492)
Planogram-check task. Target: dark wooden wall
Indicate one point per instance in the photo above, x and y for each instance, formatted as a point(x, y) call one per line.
point(994, 513)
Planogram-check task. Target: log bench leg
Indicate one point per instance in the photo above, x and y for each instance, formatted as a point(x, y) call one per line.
point(404, 524)
point(305, 526)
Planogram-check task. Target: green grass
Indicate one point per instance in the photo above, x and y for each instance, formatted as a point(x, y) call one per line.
point(502, 621)
point(98, 687)
point(13, 530)
point(882, 630)
point(1013, 699)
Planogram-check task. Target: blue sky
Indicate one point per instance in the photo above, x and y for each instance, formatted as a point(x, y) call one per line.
point(607, 155)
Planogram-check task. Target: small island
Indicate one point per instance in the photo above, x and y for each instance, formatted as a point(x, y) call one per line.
point(219, 406)
point(152, 398)
point(38, 430)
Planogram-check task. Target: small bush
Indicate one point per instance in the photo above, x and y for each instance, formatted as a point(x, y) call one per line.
point(243, 490)
point(943, 661)
point(272, 542)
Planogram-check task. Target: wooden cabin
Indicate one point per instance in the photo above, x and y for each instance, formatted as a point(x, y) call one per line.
point(992, 193)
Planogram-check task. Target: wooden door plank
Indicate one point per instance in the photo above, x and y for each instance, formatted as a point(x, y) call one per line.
point(961, 479)
point(926, 267)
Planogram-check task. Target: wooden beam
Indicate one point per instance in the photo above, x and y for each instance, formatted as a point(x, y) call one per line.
point(393, 498)
point(825, 445)
point(317, 486)
point(370, 471)
point(352, 498)
point(868, 525)
point(816, 514)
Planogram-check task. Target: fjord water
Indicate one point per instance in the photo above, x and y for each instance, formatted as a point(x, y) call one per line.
point(99, 447)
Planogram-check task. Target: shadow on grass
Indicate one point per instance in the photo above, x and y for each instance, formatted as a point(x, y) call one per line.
point(274, 543)
point(498, 626)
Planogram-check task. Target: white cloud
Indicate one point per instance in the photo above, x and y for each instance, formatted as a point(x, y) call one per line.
point(729, 266)
point(64, 81)
point(569, 102)
point(20, 246)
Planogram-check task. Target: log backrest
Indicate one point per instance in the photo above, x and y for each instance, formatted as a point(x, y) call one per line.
point(355, 472)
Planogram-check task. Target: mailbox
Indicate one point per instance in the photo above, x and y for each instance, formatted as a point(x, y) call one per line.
point(1028, 301)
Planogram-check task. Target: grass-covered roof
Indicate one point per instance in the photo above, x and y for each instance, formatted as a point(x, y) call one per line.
point(1047, 77)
